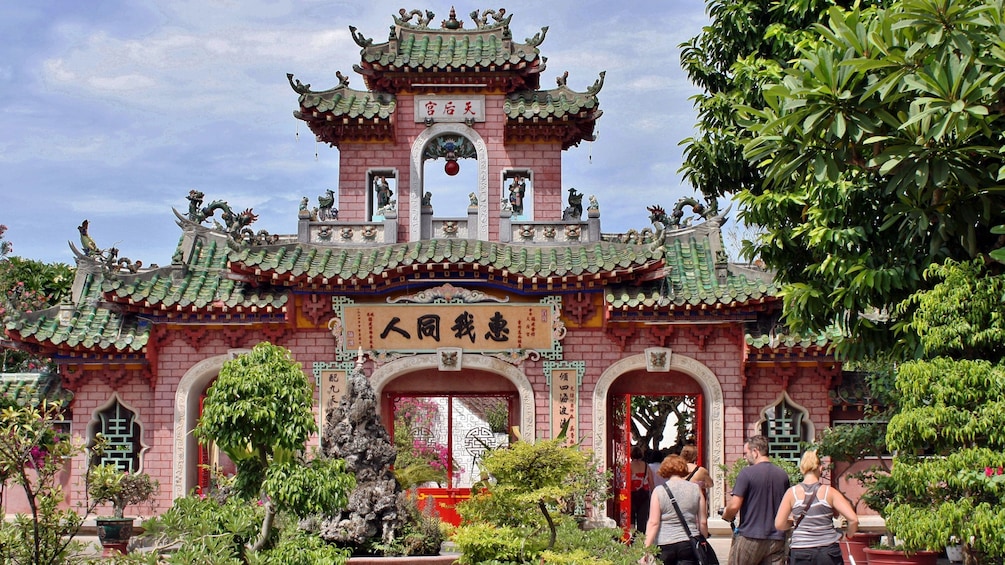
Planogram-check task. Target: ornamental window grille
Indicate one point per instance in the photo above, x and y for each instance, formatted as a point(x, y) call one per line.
point(787, 426)
point(118, 425)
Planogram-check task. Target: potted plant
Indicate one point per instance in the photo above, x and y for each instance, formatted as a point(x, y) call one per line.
point(849, 447)
point(107, 483)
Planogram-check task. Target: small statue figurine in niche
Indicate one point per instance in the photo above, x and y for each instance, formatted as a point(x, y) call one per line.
point(427, 199)
point(517, 189)
point(383, 191)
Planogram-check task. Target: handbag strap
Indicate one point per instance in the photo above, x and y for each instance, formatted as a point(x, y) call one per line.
point(680, 515)
point(691, 474)
point(811, 493)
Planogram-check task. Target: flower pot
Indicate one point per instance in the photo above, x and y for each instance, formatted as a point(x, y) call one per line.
point(853, 548)
point(898, 557)
point(114, 535)
point(954, 553)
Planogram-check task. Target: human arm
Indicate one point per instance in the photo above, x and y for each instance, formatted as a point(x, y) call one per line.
point(653, 523)
point(783, 518)
point(841, 505)
point(649, 478)
point(702, 515)
point(733, 508)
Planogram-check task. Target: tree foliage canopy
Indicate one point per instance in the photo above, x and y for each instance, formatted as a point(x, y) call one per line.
point(880, 153)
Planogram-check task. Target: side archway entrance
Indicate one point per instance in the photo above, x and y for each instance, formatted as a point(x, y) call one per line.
point(688, 383)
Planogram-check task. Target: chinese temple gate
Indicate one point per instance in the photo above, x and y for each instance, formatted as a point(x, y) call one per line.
point(521, 314)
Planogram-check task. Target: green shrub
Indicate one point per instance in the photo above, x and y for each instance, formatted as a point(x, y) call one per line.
point(574, 557)
point(486, 543)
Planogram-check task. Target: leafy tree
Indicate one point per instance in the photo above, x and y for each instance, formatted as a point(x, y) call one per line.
point(27, 286)
point(530, 478)
point(949, 432)
point(32, 454)
point(880, 147)
point(259, 413)
point(746, 43)
point(650, 415)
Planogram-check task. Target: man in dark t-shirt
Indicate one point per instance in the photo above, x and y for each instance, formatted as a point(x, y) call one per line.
point(757, 494)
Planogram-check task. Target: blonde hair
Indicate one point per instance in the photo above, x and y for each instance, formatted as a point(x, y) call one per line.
point(810, 463)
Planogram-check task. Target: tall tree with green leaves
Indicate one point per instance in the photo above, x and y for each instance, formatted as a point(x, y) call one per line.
point(881, 152)
point(949, 432)
point(747, 43)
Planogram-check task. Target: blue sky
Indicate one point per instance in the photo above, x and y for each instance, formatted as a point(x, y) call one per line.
point(111, 111)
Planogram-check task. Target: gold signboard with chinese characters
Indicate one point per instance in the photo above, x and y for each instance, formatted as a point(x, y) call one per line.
point(427, 327)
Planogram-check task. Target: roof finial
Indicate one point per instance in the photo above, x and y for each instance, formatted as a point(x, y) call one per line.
point(452, 22)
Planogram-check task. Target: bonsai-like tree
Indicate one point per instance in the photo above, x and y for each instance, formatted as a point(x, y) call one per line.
point(529, 478)
point(259, 413)
point(949, 432)
point(107, 483)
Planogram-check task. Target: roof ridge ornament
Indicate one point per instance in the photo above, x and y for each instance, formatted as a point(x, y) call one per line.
point(360, 39)
point(593, 90)
point(297, 86)
point(421, 23)
point(452, 23)
point(499, 16)
point(538, 38)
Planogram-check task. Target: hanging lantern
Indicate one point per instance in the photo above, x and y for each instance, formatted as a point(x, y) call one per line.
point(451, 168)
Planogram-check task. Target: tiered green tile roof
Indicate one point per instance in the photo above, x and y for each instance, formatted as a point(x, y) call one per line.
point(216, 281)
point(484, 58)
point(414, 47)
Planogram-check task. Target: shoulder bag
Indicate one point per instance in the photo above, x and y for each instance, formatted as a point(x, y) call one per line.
point(702, 549)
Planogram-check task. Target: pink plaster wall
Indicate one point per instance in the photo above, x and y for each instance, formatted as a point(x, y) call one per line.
point(721, 354)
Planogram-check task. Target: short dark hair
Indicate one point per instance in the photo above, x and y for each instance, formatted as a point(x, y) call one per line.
point(637, 452)
point(758, 442)
point(673, 466)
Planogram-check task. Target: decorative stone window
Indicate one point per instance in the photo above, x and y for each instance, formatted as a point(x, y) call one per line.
point(786, 425)
point(119, 426)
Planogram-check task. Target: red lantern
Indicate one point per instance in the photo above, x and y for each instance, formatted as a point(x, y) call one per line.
point(451, 168)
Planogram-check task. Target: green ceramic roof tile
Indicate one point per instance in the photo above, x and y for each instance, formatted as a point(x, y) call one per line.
point(692, 280)
point(557, 103)
point(347, 102)
point(792, 340)
point(30, 389)
point(520, 260)
point(424, 49)
point(205, 284)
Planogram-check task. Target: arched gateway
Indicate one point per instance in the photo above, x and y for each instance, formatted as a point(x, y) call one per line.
point(521, 313)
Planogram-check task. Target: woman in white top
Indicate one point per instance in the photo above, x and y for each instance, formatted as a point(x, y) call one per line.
point(814, 540)
point(664, 528)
